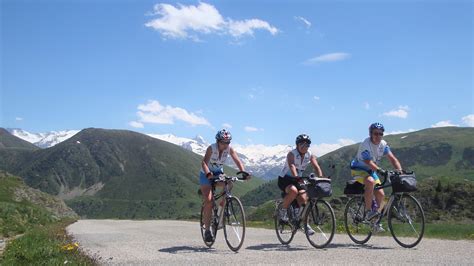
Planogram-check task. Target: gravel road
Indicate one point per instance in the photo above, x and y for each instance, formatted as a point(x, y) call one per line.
point(154, 242)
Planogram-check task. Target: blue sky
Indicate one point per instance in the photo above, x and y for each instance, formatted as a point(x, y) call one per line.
point(269, 69)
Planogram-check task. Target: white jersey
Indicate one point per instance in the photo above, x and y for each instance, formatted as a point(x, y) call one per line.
point(216, 164)
point(300, 163)
point(369, 151)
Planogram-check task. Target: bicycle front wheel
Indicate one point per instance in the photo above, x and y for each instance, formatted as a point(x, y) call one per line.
point(285, 231)
point(319, 223)
point(357, 228)
point(406, 220)
point(213, 226)
point(234, 223)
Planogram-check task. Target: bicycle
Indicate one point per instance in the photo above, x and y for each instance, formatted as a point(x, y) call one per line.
point(317, 213)
point(406, 218)
point(230, 217)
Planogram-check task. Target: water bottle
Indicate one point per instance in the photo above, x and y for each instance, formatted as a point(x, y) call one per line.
point(296, 212)
point(375, 206)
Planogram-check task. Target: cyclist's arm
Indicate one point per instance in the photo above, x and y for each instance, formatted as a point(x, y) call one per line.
point(236, 159)
point(371, 164)
point(316, 167)
point(290, 158)
point(396, 164)
point(205, 160)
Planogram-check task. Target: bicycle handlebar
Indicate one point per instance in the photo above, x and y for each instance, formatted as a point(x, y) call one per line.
point(224, 177)
point(390, 174)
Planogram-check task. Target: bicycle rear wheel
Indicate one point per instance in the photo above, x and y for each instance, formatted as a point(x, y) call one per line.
point(213, 226)
point(234, 223)
point(406, 220)
point(320, 218)
point(285, 231)
point(358, 230)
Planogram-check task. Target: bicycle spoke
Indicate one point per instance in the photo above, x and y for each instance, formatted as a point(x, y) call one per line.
point(406, 221)
point(321, 215)
point(234, 224)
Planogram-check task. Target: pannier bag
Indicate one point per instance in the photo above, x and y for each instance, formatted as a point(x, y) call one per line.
point(403, 182)
point(353, 187)
point(319, 188)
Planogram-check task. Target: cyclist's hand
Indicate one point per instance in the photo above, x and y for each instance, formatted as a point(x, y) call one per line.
point(398, 171)
point(209, 176)
point(382, 172)
point(245, 175)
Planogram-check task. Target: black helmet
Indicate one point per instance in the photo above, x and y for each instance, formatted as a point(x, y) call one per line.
point(303, 138)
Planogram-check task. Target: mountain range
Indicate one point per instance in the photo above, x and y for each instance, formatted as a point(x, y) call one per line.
point(262, 161)
point(113, 173)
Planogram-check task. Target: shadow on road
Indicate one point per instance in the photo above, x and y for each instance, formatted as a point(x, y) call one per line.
point(274, 247)
point(187, 249)
point(356, 246)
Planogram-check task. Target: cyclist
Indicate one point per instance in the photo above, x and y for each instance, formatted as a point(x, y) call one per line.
point(213, 165)
point(296, 162)
point(365, 168)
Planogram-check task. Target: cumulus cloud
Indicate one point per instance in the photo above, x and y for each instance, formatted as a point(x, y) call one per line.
point(323, 148)
point(155, 113)
point(446, 123)
point(400, 112)
point(325, 58)
point(189, 21)
point(400, 131)
point(468, 120)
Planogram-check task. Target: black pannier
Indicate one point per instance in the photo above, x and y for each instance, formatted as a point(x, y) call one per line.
point(403, 182)
point(319, 188)
point(353, 187)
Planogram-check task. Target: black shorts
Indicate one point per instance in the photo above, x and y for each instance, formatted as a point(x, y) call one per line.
point(287, 180)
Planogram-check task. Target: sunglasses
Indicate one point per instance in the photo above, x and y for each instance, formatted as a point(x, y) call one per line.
point(305, 144)
point(377, 133)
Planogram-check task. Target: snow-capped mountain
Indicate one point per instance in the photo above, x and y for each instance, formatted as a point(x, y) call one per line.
point(197, 145)
point(260, 160)
point(43, 140)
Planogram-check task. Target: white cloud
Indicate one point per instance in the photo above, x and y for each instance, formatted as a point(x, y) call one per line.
point(323, 148)
point(446, 123)
point(316, 98)
point(19, 118)
point(226, 125)
point(401, 112)
point(136, 124)
point(332, 57)
point(305, 21)
point(247, 27)
point(155, 113)
point(400, 131)
point(468, 120)
point(184, 21)
point(366, 106)
point(252, 129)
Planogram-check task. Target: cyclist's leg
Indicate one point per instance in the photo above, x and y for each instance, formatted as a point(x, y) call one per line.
point(379, 196)
point(369, 184)
point(291, 194)
point(207, 200)
point(206, 190)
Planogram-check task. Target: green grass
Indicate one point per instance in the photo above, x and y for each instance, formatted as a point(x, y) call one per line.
point(46, 245)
